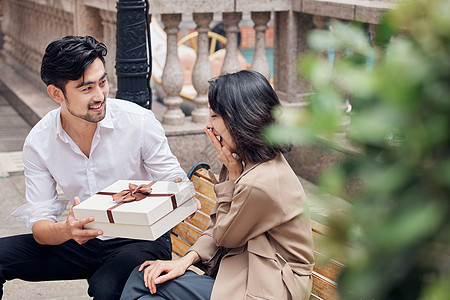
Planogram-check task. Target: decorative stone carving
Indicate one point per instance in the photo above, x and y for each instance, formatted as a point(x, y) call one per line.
point(231, 62)
point(260, 62)
point(172, 77)
point(202, 71)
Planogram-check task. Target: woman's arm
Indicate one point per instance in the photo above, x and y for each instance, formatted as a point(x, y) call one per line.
point(243, 214)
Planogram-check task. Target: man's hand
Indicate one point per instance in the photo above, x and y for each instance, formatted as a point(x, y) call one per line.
point(199, 205)
point(75, 229)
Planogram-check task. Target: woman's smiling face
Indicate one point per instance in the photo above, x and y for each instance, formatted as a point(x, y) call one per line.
point(217, 125)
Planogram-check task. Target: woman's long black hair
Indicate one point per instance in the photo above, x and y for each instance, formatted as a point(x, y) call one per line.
point(245, 101)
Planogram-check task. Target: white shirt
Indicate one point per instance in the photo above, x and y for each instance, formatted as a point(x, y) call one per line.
point(129, 143)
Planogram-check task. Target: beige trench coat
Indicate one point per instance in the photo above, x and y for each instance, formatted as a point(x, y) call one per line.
point(263, 219)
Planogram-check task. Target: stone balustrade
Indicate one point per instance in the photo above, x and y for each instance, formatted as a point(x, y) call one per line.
point(29, 25)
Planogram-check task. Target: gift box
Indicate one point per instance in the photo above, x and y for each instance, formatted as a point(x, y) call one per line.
point(148, 214)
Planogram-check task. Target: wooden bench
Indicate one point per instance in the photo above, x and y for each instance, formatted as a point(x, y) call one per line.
point(187, 232)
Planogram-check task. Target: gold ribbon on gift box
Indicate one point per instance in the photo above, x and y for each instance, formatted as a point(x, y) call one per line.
point(134, 193)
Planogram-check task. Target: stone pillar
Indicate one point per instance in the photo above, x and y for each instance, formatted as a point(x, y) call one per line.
point(378, 51)
point(260, 62)
point(1, 20)
point(64, 22)
point(108, 22)
point(34, 55)
point(231, 62)
point(87, 21)
point(6, 20)
point(321, 23)
point(202, 71)
point(172, 77)
point(290, 33)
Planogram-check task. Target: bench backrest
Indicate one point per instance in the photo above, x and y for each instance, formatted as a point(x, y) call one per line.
point(187, 232)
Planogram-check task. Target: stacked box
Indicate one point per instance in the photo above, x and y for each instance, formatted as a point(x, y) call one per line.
point(167, 204)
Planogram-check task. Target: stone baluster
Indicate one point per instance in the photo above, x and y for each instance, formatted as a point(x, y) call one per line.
point(33, 42)
point(17, 47)
point(337, 53)
point(378, 51)
point(109, 39)
point(47, 29)
point(172, 77)
point(290, 45)
point(66, 21)
point(59, 22)
point(25, 32)
point(6, 26)
point(14, 29)
point(231, 62)
point(202, 71)
point(87, 20)
point(11, 30)
point(260, 62)
point(41, 32)
point(31, 33)
point(55, 23)
point(321, 23)
point(23, 52)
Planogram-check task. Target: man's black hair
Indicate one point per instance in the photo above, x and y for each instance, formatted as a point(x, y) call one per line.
point(67, 59)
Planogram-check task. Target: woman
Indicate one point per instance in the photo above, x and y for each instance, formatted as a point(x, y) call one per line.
point(259, 235)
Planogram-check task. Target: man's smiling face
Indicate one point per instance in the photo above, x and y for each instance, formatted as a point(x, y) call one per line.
point(85, 98)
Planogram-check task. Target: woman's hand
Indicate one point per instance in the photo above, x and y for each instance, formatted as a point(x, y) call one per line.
point(234, 165)
point(171, 269)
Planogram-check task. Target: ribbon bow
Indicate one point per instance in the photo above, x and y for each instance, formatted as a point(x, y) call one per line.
point(134, 193)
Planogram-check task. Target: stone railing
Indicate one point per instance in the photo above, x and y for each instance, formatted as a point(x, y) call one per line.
point(29, 25)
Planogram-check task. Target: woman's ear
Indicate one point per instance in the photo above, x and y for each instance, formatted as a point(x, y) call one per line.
point(56, 93)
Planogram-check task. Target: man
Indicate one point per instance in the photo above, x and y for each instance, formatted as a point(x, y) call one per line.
point(84, 146)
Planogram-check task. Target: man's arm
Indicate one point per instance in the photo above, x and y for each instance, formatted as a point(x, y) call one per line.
point(42, 209)
point(46, 232)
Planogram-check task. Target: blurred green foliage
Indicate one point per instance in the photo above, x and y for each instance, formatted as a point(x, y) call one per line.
point(395, 241)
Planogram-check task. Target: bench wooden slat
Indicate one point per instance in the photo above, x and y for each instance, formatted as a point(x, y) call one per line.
point(330, 270)
point(323, 288)
point(207, 204)
point(317, 239)
point(204, 174)
point(317, 227)
point(187, 232)
point(200, 220)
point(179, 247)
point(203, 187)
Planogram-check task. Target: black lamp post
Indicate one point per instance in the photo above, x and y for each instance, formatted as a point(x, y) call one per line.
point(133, 66)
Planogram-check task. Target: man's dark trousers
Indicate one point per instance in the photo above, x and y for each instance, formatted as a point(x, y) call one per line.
point(106, 264)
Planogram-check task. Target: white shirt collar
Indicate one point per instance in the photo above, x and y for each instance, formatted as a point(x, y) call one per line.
point(107, 122)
